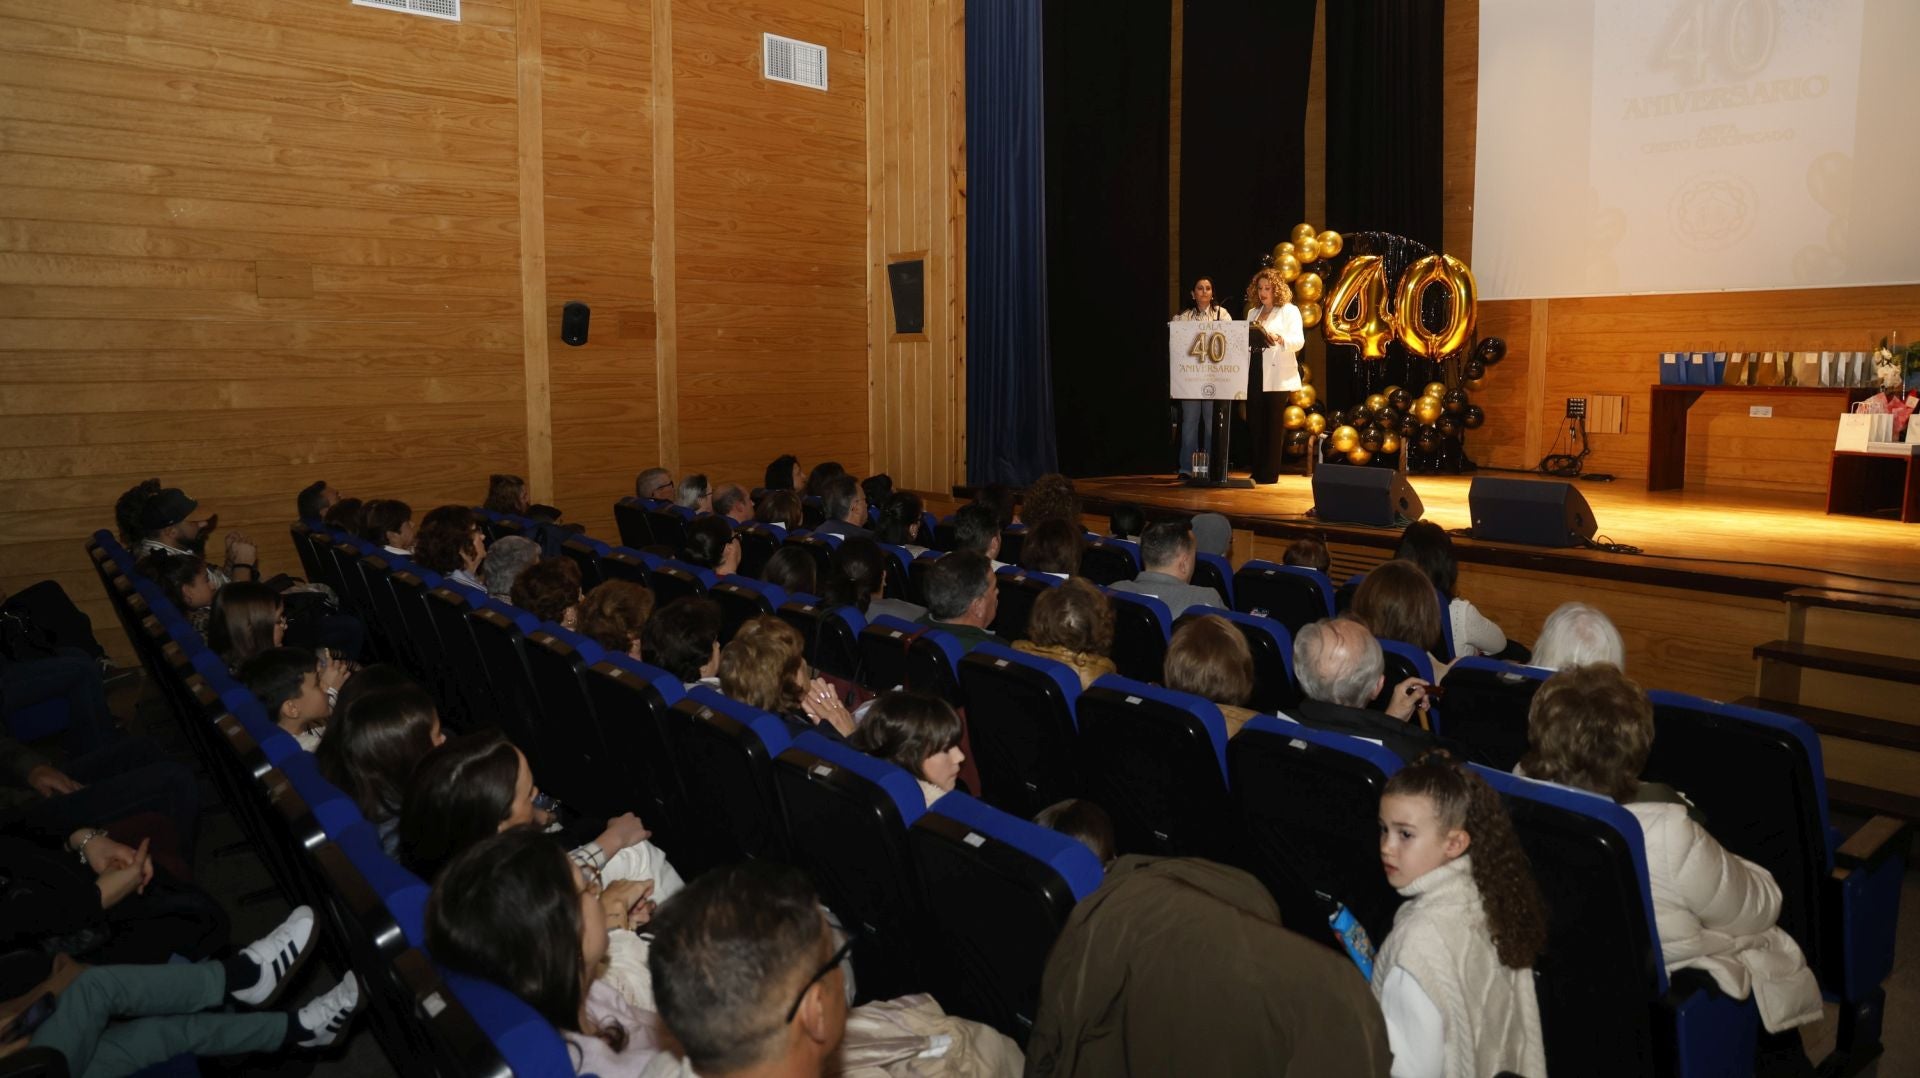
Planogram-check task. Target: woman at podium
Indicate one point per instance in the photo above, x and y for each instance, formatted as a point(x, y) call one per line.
point(1276, 337)
point(1196, 416)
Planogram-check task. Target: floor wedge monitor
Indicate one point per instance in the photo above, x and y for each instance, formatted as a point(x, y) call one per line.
point(1536, 512)
point(1343, 493)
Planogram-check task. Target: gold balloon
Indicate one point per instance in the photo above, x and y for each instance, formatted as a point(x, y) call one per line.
point(1458, 332)
point(1305, 395)
point(1436, 390)
point(1316, 423)
point(1309, 318)
point(1280, 251)
point(1307, 251)
point(1376, 402)
point(1330, 242)
point(1288, 266)
point(1389, 392)
point(1427, 409)
point(1357, 455)
point(1308, 288)
point(1302, 232)
point(1390, 443)
point(1294, 417)
point(1345, 439)
point(1362, 285)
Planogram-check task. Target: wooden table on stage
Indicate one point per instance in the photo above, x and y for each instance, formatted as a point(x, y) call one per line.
point(1667, 426)
point(1867, 484)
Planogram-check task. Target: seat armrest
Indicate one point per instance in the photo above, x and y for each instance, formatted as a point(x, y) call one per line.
point(1877, 840)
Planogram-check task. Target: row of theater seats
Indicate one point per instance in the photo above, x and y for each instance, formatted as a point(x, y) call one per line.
point(1296, 807)
point(961, 900)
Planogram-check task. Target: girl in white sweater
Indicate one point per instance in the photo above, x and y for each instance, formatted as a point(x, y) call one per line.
point(1455, 976)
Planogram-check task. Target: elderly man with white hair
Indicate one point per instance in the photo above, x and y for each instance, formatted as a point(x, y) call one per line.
point(1578, 635)
point(1341, 670)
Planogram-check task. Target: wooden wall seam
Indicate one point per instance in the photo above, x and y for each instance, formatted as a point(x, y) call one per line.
point(666, 334)
point(533, 250)
point(1539, 344)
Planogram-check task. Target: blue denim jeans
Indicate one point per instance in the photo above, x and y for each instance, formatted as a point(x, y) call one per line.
point(1194, 416)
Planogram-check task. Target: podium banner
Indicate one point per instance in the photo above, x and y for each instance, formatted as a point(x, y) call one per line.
point(1207, 360)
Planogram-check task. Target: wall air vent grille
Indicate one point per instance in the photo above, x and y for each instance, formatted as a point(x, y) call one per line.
point(798, 62)
point(438, 9)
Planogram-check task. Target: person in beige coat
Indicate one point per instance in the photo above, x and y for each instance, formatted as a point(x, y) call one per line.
point(1590, 727)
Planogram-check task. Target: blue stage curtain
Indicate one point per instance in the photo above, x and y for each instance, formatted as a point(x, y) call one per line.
point(1010, 427)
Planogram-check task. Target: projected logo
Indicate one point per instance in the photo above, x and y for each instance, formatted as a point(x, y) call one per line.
point(1712, 211)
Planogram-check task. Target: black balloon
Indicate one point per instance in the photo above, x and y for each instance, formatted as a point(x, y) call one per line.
point(1475, 369)
point(1428, 440)
point(1336, 419)
point(1448, 428)
point(1400, 399)
point(1455, 401)
point(1473, 417)
point(1490, 350)
point(1370, 437)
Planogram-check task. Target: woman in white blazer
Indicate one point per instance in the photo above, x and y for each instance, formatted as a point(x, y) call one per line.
point(1275, 370)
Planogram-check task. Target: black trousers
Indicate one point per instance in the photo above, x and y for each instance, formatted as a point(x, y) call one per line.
point(1263, 423)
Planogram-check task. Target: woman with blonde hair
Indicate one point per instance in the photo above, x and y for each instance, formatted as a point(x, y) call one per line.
point(1072, 624)
point(1274, 372)
point(765, 666)
point(1210, 659)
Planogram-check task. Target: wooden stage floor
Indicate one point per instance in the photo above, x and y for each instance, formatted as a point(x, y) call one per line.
point(1769, 542)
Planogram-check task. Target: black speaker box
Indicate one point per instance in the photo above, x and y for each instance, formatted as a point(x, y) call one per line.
point(1354, 495)
point(1531, 511)
point(573, 323)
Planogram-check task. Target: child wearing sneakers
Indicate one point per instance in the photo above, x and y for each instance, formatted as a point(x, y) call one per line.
point(162, 1008)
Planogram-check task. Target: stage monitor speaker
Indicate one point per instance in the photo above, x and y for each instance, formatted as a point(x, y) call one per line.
point(1354, 495)
point(1531, 511)
point(573, 323)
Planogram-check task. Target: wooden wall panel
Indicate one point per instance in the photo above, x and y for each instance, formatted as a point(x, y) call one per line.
point(155, 156)
point(916, 171)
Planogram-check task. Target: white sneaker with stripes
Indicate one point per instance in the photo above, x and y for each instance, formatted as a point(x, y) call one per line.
point(279, 954)
point(328, 1016)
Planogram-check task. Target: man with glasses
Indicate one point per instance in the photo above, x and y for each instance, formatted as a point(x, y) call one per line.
point(748, 974)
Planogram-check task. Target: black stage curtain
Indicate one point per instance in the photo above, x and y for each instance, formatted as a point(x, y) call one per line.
point(1243, 107)
point(1107, 69)
point(1010, 423)
point(1384, 68)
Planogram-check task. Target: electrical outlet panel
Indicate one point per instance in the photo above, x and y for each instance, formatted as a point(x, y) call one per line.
point(1576, 407)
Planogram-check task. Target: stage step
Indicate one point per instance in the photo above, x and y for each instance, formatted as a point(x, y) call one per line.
point(1831, 723)
point(1840, 661)
point(1868, 801)
point(1855, 602)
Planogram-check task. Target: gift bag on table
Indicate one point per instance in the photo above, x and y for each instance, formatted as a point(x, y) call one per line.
point(1868, 422)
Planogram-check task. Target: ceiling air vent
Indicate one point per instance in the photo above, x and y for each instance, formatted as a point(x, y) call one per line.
point(797, 62)
point(439, 9)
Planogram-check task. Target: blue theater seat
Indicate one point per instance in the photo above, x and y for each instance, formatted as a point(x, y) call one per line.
point(883, 652)
point(1214, 571)
point(727, 750)
point(1020, 722)
point(1272, 648)
point(630, 705)
point(832, 634)
point(758, 544)
point(1106, 561)
point(1019, 590)
point(672, 580)
point(1141, 629)
point(742, 598)
point(1155, 759)
point(1293, 595)
point(633, 566)
point(500, 631)
point(586, 553)
point(1487, 701)
point(576, 765)
point(630, 520)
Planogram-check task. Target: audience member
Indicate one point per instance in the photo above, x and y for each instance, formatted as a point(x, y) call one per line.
point(694, 493)
point(127, 776)
point(1054, 547)
point(315, 499)
point(731, 502)
point(451, 543)
point(1213, 534)
point(388, 522)
point(42, 617)
point(184, 580)
point(294, 689)
point(977, 530)
point(1576, 634)
point(1051, 497)
point(549, 589)
point(817, 479)
point(654, 484)
point(344, 515)
point(93, 897)
point(507, 494)
point(746, 973)
point(845, 506)
point(1072, 624)
point(859, 579)
point(1210, 659)
point(1182, 966)
point(1126, 521)
point(1167, 554)
point(614, 615)
point(1455, 976)
point(166, 1002)
point(1341, 669)
point(1397, 602)
point(781, 509)
point(998, 499)
point(765, 666)
point(1083, 821)
point(879, 491)
point(506, 559)
point(130, 508)
point(683, 638)
point(165, 525)
point(513, 910)
point(1428, 546)
point(793, 571)
point(373, 743)
point(245, 620)
point(1308, 554)
point(962, 597)
point(711, 544)
point(900, 522)
point(919, 732)
point(784, 474)
point(1591, 728)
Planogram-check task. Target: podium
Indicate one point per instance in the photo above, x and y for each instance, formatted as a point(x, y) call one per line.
point(1209, 361)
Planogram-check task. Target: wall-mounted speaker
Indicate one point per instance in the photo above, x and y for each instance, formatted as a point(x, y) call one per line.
point(1378, 496)
point(1531, 511)
point(573, 323)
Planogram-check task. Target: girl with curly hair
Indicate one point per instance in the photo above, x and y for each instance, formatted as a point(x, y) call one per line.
point(1455, 976)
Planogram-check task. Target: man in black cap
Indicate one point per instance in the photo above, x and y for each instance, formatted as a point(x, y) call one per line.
point(166, 523)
